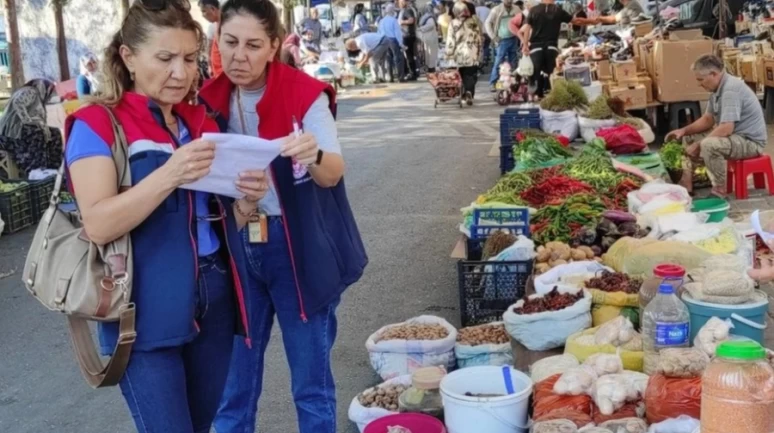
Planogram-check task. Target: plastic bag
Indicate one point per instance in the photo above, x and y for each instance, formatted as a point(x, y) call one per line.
point(682, 362)
point(626, 425)
point(594, 429)
point(604, 363)
point(622, 139)
point(553, 365)
point(554, 426)
point(589, 127)
point(564, 276)
point(641, 261)
point(622, 249)
point(658, 189)
point(551, 406)
point(362, 415)
point(549, 329)
point(714, 332)
point(393, 358)
point(483, 354)
point(715, 238)
point(696, 291)
point(611, 391)
point(525, 67)
point(628, 410)
point(667, 397)
point(681, 424)
point(617, 332)
point(582, 346)
point(576, 381)
point(559, 123)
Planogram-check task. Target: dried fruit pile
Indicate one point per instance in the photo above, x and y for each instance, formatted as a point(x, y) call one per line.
point(385, 397)
point(414, 332)
point(551, 301)
point(484, 334)
point(614, 282)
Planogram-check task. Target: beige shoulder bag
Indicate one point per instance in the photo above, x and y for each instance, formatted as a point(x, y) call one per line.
point(68, 273)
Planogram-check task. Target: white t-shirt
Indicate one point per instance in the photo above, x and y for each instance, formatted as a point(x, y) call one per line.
point(482, 12)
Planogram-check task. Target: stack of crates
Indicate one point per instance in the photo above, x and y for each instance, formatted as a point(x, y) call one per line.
point(526, 116)
point(488, 288)
point(15, 207)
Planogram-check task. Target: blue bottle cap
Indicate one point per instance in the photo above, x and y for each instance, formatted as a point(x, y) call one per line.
point(666, 289)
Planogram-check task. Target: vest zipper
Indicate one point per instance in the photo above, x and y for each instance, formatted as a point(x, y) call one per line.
point(195, 249)
point(235, 276)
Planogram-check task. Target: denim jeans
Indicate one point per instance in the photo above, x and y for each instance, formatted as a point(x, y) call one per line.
point(507, 50)
point(177, 389)
point(397, 59)
point(272, 290)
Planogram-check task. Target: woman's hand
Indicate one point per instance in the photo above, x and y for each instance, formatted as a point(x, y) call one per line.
point(525, 49)
point(303, 149)
point(764, 274)
point(190, 162)
point(253, 185)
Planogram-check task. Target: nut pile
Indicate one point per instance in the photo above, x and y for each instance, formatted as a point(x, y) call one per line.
point(551, 301)
point(614, 282)
point(414, 332)
point(385, 397)
point(484, 334)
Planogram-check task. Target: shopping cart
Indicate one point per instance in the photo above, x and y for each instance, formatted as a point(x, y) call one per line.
point(447, 84)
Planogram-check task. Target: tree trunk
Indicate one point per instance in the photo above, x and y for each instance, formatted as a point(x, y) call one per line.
point(14, 45)
point(61, 40)
point(124, 8)
point(287, 15)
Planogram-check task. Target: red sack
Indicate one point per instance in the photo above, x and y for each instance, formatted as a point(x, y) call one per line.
point(564, 141)
point(628, 410)
point(622, 139)
point(670, 397)
point(549, 405)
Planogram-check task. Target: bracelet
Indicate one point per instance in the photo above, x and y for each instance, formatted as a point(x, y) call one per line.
point(242, 213)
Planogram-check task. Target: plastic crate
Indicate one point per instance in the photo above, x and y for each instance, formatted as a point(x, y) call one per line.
point(15, 208)
point(514, 119)
point(487, 289)
point(507, 160)
point(8, 169)
point(40, 196)
point(515, 221)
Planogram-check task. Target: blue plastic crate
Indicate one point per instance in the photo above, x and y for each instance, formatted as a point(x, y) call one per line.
point(514, 220)
point(487, 289)
point(510, 123)
point(507, 160)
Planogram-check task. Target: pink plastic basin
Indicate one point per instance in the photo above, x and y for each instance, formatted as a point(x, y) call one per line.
point(416, 422)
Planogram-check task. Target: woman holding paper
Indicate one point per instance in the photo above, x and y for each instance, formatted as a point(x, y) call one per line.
point(187, 261)
point(302, 243)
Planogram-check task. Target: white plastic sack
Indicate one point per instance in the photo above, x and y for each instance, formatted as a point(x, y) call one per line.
point(392, 358)
point(526, 68)
point(552, 365)
point(662, 193)
point(589, 127)
point(646, 132)
point(558, 276)
point(563, 123)
point(362, 415)
point(681, 424)
point(549, 329)
point(483, 354)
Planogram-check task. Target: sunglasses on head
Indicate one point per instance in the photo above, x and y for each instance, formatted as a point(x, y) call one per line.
point(159, 5)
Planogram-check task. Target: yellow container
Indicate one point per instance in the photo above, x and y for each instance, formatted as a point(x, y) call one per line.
point(631, 360)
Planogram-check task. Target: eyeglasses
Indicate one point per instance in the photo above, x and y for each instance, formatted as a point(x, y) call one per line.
point(160, 5)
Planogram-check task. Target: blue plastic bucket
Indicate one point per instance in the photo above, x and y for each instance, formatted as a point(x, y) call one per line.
point(749, 319)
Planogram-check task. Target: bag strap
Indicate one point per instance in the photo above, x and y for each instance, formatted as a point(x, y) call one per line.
point(96, 373)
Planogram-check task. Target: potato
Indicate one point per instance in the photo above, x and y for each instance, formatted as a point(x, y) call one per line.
point(541, 268)
point(588, 251)
point(577, 254)
point(540, 248)
point(556, 263)
point(543, 256)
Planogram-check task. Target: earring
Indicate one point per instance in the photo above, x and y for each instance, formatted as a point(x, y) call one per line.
point(131, 75)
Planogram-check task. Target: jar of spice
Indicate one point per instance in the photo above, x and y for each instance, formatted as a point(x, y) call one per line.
point(424, 395)
point(738, 390)
point(666, 273)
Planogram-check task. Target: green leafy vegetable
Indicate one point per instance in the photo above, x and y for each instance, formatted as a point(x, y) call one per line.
point(535, 151)
point(672, 155)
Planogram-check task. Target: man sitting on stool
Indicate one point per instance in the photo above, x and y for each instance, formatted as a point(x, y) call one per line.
point(733, 126)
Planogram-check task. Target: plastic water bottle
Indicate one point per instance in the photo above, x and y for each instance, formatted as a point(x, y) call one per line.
point(666, 323)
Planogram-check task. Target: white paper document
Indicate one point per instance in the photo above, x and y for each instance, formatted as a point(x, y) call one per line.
point(234, 153)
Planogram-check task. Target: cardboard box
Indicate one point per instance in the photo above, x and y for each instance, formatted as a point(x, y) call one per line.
point(606, 85)
point(686, 35)
point(604, 71)
point(648, 83)
point(635, 96)
point(623, 71)
point(673, 78)
point(768, 72)
point(747, 69)
point(642, 29)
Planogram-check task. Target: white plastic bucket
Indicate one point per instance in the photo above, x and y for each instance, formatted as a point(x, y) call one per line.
point(505, 414)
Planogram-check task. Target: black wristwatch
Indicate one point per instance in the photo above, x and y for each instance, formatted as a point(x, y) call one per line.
point(318, 161)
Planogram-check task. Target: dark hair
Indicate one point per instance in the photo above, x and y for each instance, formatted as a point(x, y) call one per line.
point(140, 21)
point(262, 10)
point(287, 58)
point(213, 3)
point(359, 8)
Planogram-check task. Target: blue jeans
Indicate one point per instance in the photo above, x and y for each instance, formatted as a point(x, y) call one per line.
point(272, 290)
point(507, 50)
point(177, 389)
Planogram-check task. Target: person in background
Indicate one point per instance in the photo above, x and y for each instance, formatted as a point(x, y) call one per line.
point(88, 80)
point(310, 50)
point(291, 50)
point(733, 127)
point(408, 23)
point(483, 11)
point(374, 49)
point(579, 13)
point(187, 279)
point(312, 23)
point(445, 18)
point(506, 43)
point(27, 105)
point(631, 10)
point(540, 40)
point(211, 12)
point(463, 44)
point(312, 250)
point(428, 34)
point(359, 20)
point(390, 28)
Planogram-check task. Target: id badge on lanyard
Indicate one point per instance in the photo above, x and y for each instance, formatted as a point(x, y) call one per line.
point(258, 229)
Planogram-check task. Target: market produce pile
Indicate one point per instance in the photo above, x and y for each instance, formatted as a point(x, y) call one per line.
point(6, 187)
point(551, 301)
point(672, 154)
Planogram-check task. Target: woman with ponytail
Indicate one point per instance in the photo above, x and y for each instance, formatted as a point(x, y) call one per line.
point(187, 264)
point(310, 250)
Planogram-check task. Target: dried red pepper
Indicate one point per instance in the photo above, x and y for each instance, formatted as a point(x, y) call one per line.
point(554, 190)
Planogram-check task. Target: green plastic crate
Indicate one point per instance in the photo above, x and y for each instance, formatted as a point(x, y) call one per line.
point(15, 207)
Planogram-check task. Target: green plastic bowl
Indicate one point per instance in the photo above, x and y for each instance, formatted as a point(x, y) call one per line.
point(717, 208)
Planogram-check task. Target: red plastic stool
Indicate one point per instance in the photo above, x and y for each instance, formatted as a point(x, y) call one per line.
point(740, 169)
